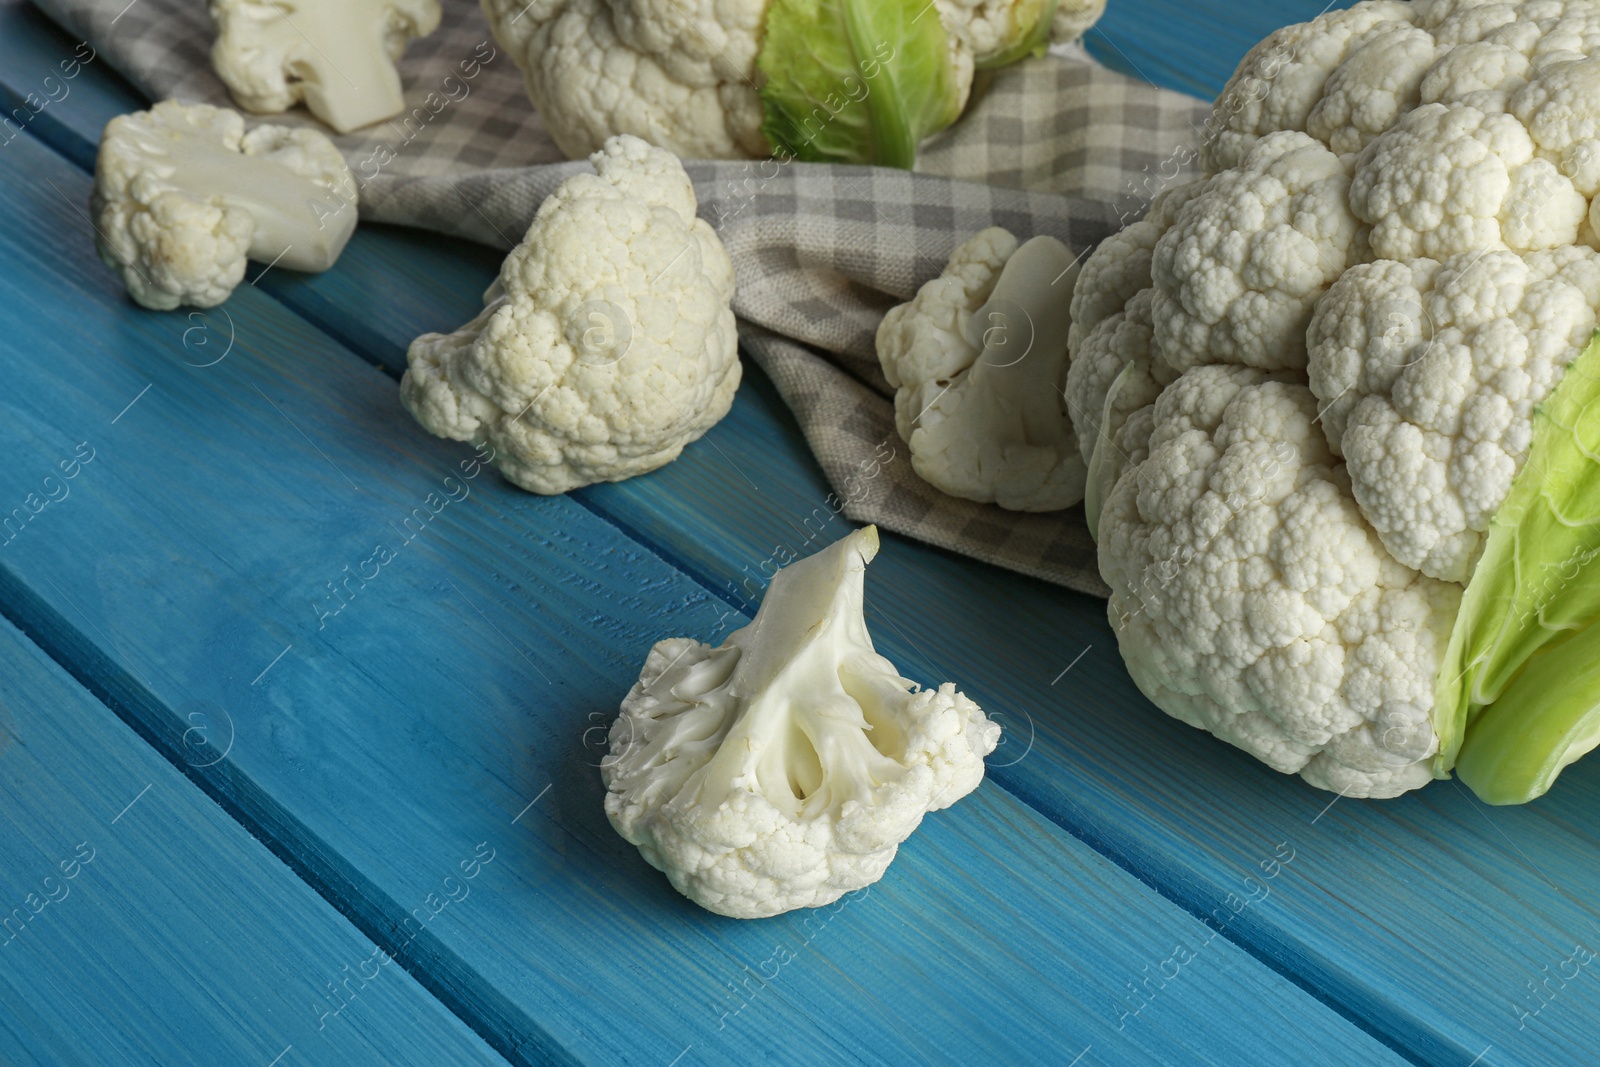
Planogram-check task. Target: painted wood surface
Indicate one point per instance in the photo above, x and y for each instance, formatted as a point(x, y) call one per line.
point(452, 698)
point(1440, 925)
point(139, 923)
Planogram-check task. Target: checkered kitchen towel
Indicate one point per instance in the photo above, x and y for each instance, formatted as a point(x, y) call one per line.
point(820, 252)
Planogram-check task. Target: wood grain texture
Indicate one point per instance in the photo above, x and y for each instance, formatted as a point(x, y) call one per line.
point(1437, 923)
point(140, 924)
point(449, 702)
point(1421, 918)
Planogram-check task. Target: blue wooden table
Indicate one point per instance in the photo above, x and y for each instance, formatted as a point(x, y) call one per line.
point(236, 829)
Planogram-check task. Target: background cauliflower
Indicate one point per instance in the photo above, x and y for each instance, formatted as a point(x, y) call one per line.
point(183, 196)
point(1306, 384)
point(977, 359)
point(683, 74)
point(608, 342)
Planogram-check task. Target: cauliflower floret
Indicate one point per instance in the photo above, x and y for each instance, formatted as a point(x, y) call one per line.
point(337, 57)
point(183, 197)
point(1366, 93)
point(1454, 179)
point(1280, 81)
point(1237, 275)
point(1431, 373)
point(783, 769)
point(978, 359)
point(608, 342)
point(1112, 327)
point(1561, 110)
point(1252, 600)
point(1120, 265)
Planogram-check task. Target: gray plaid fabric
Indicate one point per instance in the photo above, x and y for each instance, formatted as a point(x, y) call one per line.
point(1053, 145)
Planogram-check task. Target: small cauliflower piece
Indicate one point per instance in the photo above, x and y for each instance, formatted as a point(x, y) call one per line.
point(1252, 600)
point(784, 768)
point(608, 342)
point(978, 359)
point(183, 196)
point(337, 56)
point(1431, 373)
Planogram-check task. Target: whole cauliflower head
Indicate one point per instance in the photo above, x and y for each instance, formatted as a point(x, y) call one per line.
point(338, 58)
point(183, 196)
point(682, 74)
point(1387, 267)
point(978, 359)
point(784, 768)
point(608, 342)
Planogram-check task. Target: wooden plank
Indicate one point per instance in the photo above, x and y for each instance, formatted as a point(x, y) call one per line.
point(1392, 884)
point(1191, 47)
point(139, 923)
point(448, 700)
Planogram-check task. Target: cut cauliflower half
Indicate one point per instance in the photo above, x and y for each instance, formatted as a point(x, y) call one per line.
point(785, 768)
point(1252, 600)
point(683, 74)
point(1430, 374)
point(183, 196)
point(978, 359)
point(608, 342)
point(336, 56)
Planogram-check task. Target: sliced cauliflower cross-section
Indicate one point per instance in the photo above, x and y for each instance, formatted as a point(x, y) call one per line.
point(608, 342)
point(979, 360)
point(183, 196)
point(338, 56)
point(1252, 600)
point(784, 768)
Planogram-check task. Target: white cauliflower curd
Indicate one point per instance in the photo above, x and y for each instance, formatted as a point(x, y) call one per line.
point(1307, 385)
point(183, 196)
point(783, 769)
point(608, 342)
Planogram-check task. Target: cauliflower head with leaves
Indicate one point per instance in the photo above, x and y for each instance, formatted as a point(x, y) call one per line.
point(1308, 387)
point(843, 80)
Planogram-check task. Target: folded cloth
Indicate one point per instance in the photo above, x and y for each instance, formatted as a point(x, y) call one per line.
point(1057, 145)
